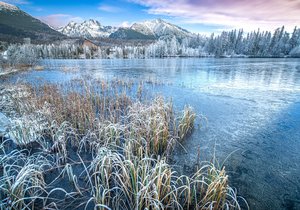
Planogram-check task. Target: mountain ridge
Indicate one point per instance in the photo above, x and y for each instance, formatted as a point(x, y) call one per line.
point(88, 29)
point(149, 29)
point(15, 24)
point(160, 28)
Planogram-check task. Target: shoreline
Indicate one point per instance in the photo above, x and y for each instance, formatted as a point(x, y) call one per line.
point(9, 71)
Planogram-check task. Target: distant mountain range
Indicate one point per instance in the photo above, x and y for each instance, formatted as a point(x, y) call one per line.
point(159, 28)
point(152, 29)
point(16, 24)
point(88, 29)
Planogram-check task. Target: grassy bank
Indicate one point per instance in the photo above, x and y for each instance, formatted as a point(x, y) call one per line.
point(100, 145)
point(6, 70)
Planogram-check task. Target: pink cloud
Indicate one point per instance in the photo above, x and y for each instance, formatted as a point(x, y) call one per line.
point(247, 14)
point(59, 20)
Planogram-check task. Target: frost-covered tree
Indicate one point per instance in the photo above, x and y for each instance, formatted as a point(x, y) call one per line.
point(22, 55)
point(228, 43)
point(295, 52)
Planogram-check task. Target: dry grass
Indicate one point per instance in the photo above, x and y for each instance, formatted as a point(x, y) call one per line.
point(121, 144)
point(22, 182)
point(152, 184)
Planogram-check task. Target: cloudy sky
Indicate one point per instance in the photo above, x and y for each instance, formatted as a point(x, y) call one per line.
point(201, 16)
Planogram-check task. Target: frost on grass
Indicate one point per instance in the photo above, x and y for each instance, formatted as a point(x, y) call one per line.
point(90, 145)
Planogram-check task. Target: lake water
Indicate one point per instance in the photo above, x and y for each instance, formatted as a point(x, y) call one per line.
point(252, 108)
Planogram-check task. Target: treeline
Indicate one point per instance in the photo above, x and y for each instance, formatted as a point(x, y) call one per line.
point(17, 55)
point(255, 44)
point(234, 43)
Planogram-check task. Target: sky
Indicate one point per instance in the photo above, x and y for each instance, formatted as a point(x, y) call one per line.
point(198, 16)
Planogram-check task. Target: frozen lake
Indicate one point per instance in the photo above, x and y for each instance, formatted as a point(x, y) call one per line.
point(252, 107)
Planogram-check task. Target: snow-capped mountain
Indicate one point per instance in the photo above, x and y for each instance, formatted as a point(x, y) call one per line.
point(151, 29)
point(160, 28)
point(87, 29)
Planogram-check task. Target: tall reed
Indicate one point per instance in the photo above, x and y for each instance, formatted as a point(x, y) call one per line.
point(120, 144)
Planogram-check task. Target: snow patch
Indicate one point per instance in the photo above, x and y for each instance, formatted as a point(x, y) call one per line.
point(7, 6)
point(4, 124)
